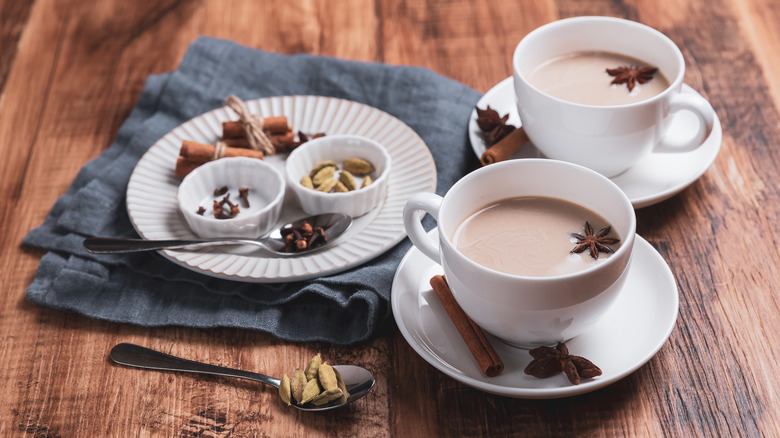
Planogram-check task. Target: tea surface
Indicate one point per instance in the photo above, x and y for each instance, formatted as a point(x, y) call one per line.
point(581, 77)
point(528, 236)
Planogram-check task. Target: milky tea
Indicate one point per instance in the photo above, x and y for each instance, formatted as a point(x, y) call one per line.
point(529, 236)
point(581, 77)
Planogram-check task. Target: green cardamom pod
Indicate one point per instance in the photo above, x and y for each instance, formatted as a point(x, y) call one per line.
point(347, 179)
point(342, 386)
point(311, 390)
point(284, 389)
point(323, 175)
point(327, 185)
point(326, 397)
point(313, 367)
point(321, 165)
point(340, 188)
point(358, 166)
point(327, 376)
point(366, 182)
point(307, 182)
point(297, 383)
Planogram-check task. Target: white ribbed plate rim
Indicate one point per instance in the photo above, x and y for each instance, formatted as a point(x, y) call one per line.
point(152, 188)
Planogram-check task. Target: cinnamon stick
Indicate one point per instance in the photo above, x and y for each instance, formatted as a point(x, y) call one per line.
point(272, 125)
point(504, 148)
point(281, 142)
point(472, 334)
point(237, 142)
point(202, 153)
point(184, 167)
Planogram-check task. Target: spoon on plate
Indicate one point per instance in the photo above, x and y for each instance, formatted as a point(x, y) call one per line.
point(334, 224)
point(358, 380)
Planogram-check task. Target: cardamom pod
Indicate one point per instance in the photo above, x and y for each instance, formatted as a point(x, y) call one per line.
point(313, 367)
point(321, 165)
point(327, 376)
point(358, 166)
point(307, 182)
point(297, 383)
point(311, 390)
point(284, 389)
point(323, 175)
point(342, 386)
point(326, 397)
point(366, 182)
point(347, 179)
point(340, 188)
point(327, 185)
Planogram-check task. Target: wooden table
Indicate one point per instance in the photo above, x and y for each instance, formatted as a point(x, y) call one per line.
point(71, 71)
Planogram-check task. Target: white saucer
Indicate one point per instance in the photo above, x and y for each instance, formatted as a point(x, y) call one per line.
point(632, 331)
point(655, 179)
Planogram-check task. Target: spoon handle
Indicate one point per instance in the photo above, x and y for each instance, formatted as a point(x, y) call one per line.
point(142, 357)
point(106, 245)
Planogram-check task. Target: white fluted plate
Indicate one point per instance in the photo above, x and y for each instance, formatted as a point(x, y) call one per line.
point(152, 206)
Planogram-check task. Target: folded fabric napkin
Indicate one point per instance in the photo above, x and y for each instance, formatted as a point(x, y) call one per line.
point(148, 290)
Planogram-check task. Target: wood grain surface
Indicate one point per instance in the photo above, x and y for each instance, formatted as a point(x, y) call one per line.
point(71, 71)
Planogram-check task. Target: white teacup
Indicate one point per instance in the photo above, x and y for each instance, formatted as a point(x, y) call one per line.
point(527, 311)
point(608, 139)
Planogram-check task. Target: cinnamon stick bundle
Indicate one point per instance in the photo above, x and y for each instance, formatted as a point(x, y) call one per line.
point(280, 141)
point(504, 148)
point(472, 334)
point(192, 154)
point(281, 135)
point(272, 125)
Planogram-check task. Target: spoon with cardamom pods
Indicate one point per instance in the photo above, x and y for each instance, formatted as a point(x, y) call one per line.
point(293, 239)
point(357, 381)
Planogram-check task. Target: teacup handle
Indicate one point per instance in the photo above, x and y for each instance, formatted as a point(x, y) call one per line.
point(703, 111)
point(429, 203)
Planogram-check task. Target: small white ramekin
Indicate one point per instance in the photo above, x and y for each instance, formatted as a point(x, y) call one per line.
point(338, 148)
point(266, 194)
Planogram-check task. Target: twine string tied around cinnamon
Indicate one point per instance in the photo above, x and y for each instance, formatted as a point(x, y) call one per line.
point(253, 125)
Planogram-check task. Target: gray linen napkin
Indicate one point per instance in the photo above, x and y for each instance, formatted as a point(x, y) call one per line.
point(148, 290)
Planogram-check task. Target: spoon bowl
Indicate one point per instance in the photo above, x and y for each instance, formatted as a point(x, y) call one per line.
point(358, 380)
point(334, 224)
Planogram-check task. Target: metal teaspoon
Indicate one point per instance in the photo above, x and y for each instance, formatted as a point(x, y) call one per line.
point(334, 224)
point(358, 380)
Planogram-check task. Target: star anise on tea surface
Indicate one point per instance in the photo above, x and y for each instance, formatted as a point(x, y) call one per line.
point(596, 243)
point(549, 361)
point(631, 75)
point(493, 125)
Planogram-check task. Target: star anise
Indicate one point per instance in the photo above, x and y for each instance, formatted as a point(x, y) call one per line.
point(493, 125)
point(548, 361)
point(631, 75)
point(594, 242)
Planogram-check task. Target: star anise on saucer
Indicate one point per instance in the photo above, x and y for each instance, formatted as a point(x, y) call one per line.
point(493, 125)
point(631, 75)
point(548, 361)
point(596, 243)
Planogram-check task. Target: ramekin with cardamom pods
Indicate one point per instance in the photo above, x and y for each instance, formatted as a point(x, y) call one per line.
point(346, 174)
